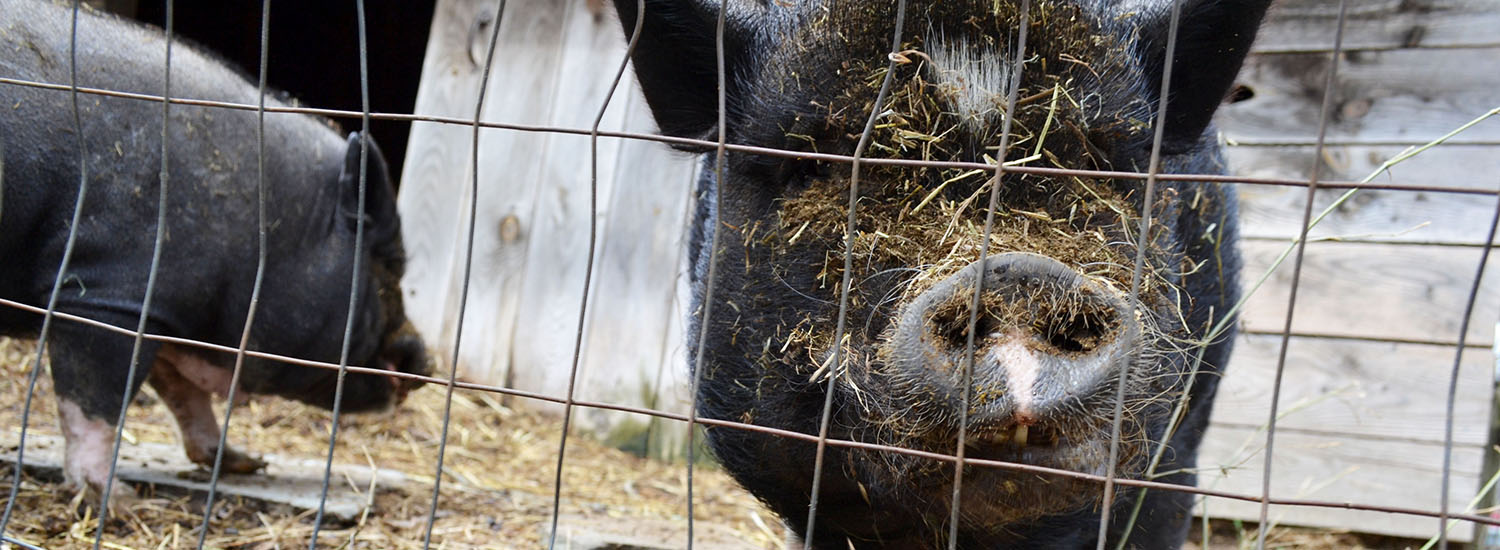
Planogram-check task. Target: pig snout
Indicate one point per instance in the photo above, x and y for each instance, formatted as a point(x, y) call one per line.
point(404, 352)
point(1046, 338)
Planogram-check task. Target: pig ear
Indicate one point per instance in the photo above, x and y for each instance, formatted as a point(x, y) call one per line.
point(676, 61)
point(1213, 37)
point(380, 197)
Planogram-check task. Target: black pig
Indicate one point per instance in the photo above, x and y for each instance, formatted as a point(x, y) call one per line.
point(1056, 326)
point(209, 258)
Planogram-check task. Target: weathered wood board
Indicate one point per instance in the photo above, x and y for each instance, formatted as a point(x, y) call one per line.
point(1301, 25)
point(1335, 469)
point(530, 251)
point(1362, 290)
point(1372, 215)
point(1399, 95)
point(293, 481)
point(1361, 420)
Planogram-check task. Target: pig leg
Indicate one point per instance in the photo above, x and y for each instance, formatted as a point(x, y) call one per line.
point(90, 368)
point(178, 379)
point(89, 445)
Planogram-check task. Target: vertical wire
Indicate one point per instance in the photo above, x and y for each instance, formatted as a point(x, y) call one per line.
point(463, 296)
point(140, 329)
point(1286, 331)
point(1458, 356)
point(260, 271)
point(848, 278)
point(967, 378)
point(20, 544)
point(62, 269)
point(713, 266)
point(354, 277)
point(588, 270)
point(1143, 237)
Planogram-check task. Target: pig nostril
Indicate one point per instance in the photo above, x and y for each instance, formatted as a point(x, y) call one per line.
point(950, 323)
point(1081, 333)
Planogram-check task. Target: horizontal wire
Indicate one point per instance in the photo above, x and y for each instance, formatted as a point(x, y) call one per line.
point(1380, 48)
point(1365, 241)
point(839, 158)
point(1346, 434)
point(333, 366)
point(1250, 142)
point(1372, 339)
point(772, 152)
point(536, 396)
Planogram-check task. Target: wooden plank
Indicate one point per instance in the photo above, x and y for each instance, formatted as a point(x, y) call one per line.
point(557, 252)
point(1371, 391)
point(1402, 95)
point(1391, 216)
point(1373, 291)
point(626, 353)
point(522, 91)
point(525, 89)
point(1331, 468)
point(287, 480)
point(436, 196)
point(1382, 24)
point(431, 202)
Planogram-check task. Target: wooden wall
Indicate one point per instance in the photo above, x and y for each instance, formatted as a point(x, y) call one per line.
point(1361, 417)
point(551, 68)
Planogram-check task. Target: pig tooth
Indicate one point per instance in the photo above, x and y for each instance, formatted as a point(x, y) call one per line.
point(1021, 435)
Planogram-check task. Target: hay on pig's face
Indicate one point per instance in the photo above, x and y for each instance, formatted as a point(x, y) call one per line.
point(916, 226)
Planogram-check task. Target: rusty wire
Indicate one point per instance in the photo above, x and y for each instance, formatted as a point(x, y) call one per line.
point(50, 313)
point(720, 150)
point(260, 272)
point(354, 276)
point(588, 277)
point(1312, 188)
point(656, 413)
point(1458, 356)
point(848, 277)
point(1144, 234)
point(721, 146)
point(967, 377)
point(153, 270)
point(463, 300)
point(785, 153)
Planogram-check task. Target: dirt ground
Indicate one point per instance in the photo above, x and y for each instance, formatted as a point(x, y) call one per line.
point(496, 492)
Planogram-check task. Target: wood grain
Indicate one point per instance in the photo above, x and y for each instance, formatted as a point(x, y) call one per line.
point(1310, 24)
point(1340, 470)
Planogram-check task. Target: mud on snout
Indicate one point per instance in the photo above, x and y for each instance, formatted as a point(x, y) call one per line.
point(1055, 329)
point(1049, 345)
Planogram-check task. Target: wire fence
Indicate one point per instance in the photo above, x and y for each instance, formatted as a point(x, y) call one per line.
point(50, 314)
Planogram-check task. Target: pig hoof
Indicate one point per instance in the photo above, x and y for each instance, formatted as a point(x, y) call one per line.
point(240, 463)
point(235, 462)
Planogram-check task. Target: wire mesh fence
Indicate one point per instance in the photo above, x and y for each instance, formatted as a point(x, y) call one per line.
point(475, 402)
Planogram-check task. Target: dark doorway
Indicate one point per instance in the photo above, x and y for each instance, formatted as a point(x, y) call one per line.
point(314, 52)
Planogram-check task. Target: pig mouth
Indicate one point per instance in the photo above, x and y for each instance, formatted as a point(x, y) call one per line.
point(1040, 445)
point(997, 495)
point(399, 359)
